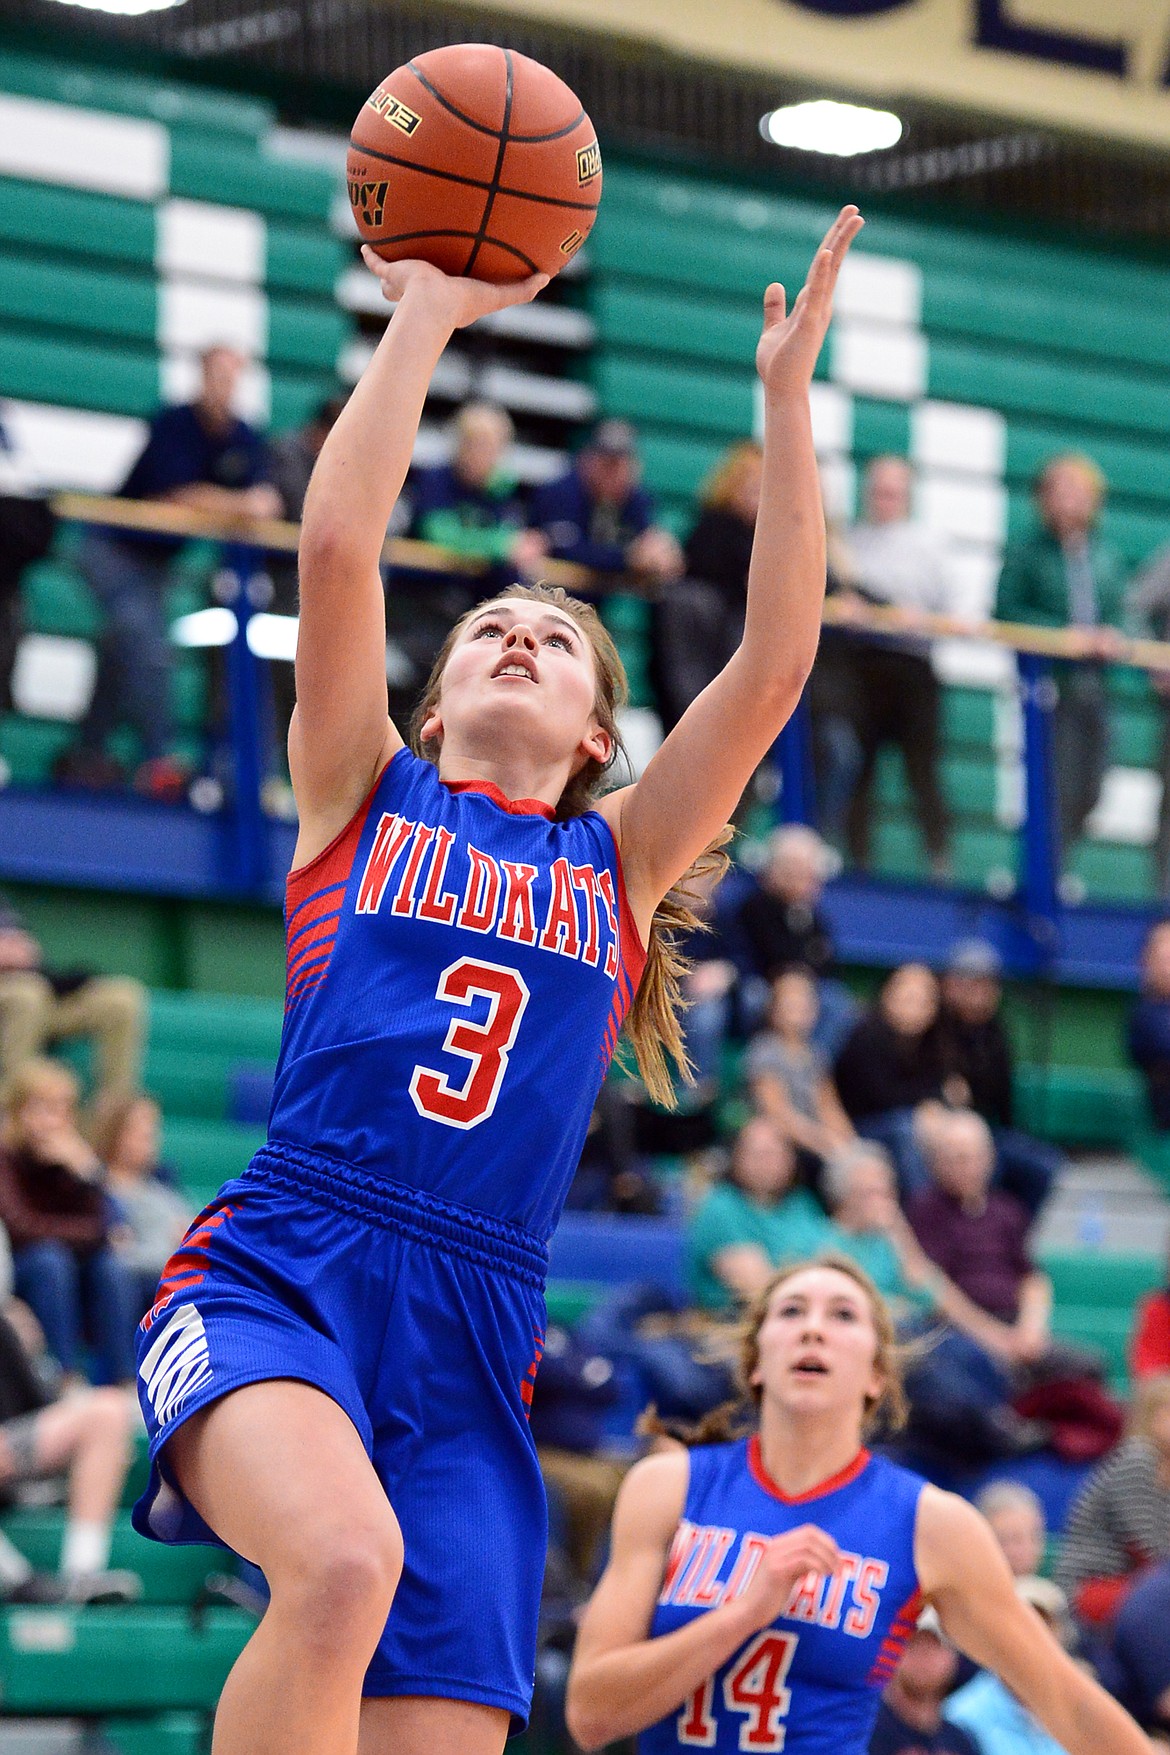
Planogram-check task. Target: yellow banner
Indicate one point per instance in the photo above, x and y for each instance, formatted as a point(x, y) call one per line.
point(1096, 66)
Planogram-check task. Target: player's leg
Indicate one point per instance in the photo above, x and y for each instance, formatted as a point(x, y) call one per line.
point(415, 1725)
point(281, 1475)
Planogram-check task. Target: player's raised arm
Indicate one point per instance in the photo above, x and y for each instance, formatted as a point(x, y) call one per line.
point(693, 783)
point(964, 1574)
point(341, 733)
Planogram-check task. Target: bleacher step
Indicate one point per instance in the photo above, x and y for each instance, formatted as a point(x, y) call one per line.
point(1108, 1205)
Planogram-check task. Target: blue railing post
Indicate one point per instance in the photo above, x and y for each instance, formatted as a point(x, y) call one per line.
point(793, 753)
point(249, 837)
point(1039, 841)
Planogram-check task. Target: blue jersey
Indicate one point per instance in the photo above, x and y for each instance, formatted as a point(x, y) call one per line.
point(810, 1683)
point(459, 965)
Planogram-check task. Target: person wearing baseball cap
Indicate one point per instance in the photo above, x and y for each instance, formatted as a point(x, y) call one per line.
point(599, 514)
point(910, 1719)
point(988, 1710)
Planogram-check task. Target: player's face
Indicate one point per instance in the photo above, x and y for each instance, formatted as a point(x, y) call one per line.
point(818, 1345)
point(525, 670)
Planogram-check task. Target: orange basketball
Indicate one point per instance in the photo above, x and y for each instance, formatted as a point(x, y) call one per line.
point(477, 159)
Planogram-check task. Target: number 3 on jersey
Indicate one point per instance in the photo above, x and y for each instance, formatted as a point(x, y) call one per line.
point(485, 1045)
point(754, 1686)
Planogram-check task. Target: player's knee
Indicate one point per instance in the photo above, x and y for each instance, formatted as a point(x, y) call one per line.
point(346, 1584)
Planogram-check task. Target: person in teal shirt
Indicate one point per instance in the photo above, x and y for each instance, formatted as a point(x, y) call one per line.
point(752, 1221)
point(1064, 575)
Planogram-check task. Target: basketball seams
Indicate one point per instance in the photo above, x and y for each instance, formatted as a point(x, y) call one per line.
point(406, 164)
point(493, 186)
point(496, 243)
point(483, 127)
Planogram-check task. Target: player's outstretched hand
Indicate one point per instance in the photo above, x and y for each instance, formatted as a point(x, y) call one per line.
point(792, 339)
point(785, 1561)
point(460, 300)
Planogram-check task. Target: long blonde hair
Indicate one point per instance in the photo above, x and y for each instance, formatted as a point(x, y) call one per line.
point(653, 1025)
point(887, 1411)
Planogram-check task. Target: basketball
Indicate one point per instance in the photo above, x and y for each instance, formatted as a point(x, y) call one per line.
point(477, 159)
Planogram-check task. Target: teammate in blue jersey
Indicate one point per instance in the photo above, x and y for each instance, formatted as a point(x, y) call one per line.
point(761, 1588)
point(337, 1369)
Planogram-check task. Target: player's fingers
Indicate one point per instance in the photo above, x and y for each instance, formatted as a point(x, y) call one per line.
point(775, 305)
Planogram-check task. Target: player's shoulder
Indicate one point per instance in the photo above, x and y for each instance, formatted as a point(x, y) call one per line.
point(653, 1495)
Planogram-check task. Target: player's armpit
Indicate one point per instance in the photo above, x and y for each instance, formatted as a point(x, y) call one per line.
point(962, 1571)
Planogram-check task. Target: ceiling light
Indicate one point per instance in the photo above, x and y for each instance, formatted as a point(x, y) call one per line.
point(822, 125)
point(124, 8)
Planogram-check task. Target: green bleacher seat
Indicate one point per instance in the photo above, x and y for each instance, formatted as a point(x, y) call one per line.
point(39, 215)
point(179, 105)
point(1105, 1331)
point(1079, 1105)
point(207, 1153)
point(72, 368)
point(206, 168)
point(1115, 873)
point(1093, 1278)
point(56, 600)
point(969, 785)
point(248, 1029)
point(169, 1574)
point(86, 1661)
point(169, 1733)
point(31, 746)
point(642, 389)
point(44, 290)
point(968, 717)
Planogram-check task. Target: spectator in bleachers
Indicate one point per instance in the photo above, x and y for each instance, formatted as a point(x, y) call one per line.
point(26, 530)
point(200, 455)
point(910, 1718)
point(1119, 1526)
point(125, 1134)
point(1147, 604)
point(293, 456)
point(979, 1063)
point(891, 1064)
point(988, 1710)
point(752, 1220)
point(783, 927)
point(85, 1436)
point(1149, 1025)
point(1065, 576)
point(861, 1193)
point(1016, 1516)
point(599, 514)
point(833, 695)
point(698, 620)
point(1138, 1666)
point(900, 563)
point(788, 1078)
point(40, 1006)
point(471, 504)
point(63, 1229)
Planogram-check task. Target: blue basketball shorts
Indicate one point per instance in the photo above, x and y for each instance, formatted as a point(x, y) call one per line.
point(424, 1321)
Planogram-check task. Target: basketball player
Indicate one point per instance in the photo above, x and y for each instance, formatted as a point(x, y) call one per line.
point(760, 1590)
point(337, 1369)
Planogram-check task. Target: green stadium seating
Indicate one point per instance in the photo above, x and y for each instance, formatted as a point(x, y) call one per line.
point(127, 94)
point(1080, 1105)
point(73, 1661)
point(169, 1733)
point(31, 746)
point(56, 600)
point(208, 1153)
point(170, 1575)
point(206, 168)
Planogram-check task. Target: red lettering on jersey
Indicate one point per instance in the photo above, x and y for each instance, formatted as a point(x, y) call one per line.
point(613, 949)
point(389, 839)
point(437, 903)
point(751, 1551)
point(705, 1592)
point(560, 929)
point(866, 1598)
point(698, 1565)
point(404, 900)
point(835, 1595)
point(802, 1604)
point(482, 895)
point(517, 921)
point(585, 880)
point(681, 1549)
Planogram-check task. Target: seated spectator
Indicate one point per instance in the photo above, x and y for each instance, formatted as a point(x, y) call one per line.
point(788, 1079)
point(783, 928)
point(1119, 1526)
point(471, 504)
point(1149, 1025)
point(84, 1436)
point(126, 1136)
point(832, 696)
point(199, 455)
point(752, 1220)
point(1016, 1516)
point(910, 1718)
point(40, 1006)
point(62, 1228)
point(1138, 1670)
point(861, 1193)
point(891, 1064)
point(698, 620)
point(1149, 1343)
point(600, 516)
point(1062, 575)
point(899, 562)
point(979, 1062)
point(988, 1710)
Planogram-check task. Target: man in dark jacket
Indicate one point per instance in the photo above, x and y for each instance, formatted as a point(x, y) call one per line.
point(600, 515)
